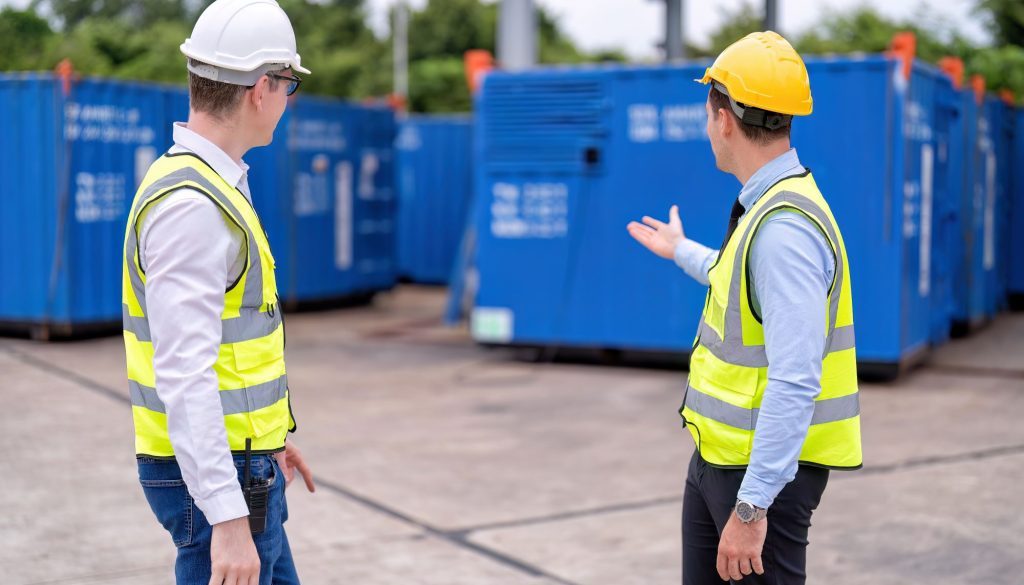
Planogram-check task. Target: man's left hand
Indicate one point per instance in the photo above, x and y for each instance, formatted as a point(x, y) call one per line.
point(291, 460)
point(739, 549)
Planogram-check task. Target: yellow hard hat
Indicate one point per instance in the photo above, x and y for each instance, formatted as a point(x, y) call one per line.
point(762, 70)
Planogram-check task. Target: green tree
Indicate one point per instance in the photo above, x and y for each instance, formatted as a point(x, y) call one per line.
point(1005, 20)
point(24, 38)
point(736, 25)
point(138, 13)
point(865, 30)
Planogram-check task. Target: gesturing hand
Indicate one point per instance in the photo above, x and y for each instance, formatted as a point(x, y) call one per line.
point(660, 238)
point(739, 548)
point(290, 460)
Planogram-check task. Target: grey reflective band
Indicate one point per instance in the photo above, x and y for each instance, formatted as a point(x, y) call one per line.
point(842, 338)
point(836, 409)
point(249, 324)
point(138, 326)
point(825, 411)
point(232, 76)
point(719, 410)
point(252, 296)
point(732, 351)
point(238, 401)
point(731, 348)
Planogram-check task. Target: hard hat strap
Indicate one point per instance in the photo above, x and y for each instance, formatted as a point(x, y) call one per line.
point(755, 116)
point(246, 78)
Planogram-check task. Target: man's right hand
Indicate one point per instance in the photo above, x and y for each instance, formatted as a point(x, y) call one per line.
point(660, 238)
point(233, 554)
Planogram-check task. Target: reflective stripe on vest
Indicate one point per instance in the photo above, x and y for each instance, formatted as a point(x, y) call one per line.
point(732, 349)
point(825, 411)
point(729, 365)
point(252, 381)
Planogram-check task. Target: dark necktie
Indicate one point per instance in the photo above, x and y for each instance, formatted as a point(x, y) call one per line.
point(734, 219)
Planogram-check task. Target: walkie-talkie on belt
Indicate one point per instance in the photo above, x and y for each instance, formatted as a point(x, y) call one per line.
point(256, 493)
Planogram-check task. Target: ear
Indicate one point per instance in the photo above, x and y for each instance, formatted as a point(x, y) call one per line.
point(259, 92)
point(726, 122)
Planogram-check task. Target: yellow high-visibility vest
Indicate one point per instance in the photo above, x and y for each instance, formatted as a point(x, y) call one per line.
point(250, 363)
point(729, 366)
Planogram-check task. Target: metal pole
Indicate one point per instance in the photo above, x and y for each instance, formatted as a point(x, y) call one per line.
point(517, 35)
point(401, 51)
point(771, 15)
point(674, 49)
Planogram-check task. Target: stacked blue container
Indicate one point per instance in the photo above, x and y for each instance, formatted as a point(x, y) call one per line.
point(72, 159)
point(71, 163)
point(434, 179)
point(1015, 283)
point(568, 157)
point(375, 206)
point(979, 260)
point(323, 189)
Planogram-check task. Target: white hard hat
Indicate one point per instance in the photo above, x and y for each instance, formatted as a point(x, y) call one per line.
point(238, 41)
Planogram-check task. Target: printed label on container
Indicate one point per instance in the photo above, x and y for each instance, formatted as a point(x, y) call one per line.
point(409, 139)
point(492, 324)
point(319, 135)
point(311, 194)
point(667, 123)
point(531, 210)
point(99, 197)
point(105, 123)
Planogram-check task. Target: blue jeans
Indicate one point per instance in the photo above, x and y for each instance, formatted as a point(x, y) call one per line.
point(177, 512)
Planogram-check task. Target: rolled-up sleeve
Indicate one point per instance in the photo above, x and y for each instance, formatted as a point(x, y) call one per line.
point(791, 266)
point(186, 247)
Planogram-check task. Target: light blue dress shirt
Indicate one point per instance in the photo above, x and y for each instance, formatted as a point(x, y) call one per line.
point(791, 268)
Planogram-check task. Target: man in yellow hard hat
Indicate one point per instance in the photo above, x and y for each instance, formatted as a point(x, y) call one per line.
point(771, 399)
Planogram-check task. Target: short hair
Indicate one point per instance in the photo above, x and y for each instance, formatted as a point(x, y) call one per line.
point(756, 134)
point(216, 98)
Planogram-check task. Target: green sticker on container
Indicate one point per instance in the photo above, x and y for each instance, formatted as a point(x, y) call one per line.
point(492, 324)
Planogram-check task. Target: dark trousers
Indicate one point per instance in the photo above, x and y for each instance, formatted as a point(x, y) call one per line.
point(708, 501)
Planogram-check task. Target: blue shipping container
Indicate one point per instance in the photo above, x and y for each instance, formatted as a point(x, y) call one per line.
point(1015, 272)
point(71, 165)
point(434, 181)
point(323, 190)
point(981, 144)
point(568, 157)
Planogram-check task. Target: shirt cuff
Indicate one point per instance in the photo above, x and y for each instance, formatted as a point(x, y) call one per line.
point(693, 258)
point(223, 507)
point(685, 251)
point(757, 492)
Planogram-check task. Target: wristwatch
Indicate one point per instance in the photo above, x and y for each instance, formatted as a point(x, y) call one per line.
point(748, 513)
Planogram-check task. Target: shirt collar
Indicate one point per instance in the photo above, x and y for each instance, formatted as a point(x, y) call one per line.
point(223, 165)
point(785, 165)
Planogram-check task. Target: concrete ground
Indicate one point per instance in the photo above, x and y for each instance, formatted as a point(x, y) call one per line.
point(440, 463)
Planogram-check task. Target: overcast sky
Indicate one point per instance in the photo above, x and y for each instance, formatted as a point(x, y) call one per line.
point(636, 26)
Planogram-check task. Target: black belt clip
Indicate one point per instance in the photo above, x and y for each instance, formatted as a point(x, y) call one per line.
point(257, 494)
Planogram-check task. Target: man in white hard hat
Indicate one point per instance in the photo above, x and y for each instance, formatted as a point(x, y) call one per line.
point(204, 335)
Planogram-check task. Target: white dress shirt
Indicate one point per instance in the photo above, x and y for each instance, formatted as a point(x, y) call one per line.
point(191, 253)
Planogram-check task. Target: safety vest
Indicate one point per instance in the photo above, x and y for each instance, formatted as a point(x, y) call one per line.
point(729, 366)
point(250, 363)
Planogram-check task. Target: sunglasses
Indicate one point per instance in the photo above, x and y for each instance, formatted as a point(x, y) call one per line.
point(293, 81)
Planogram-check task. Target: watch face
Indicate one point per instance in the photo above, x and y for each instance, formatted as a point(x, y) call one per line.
point(745, 511)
